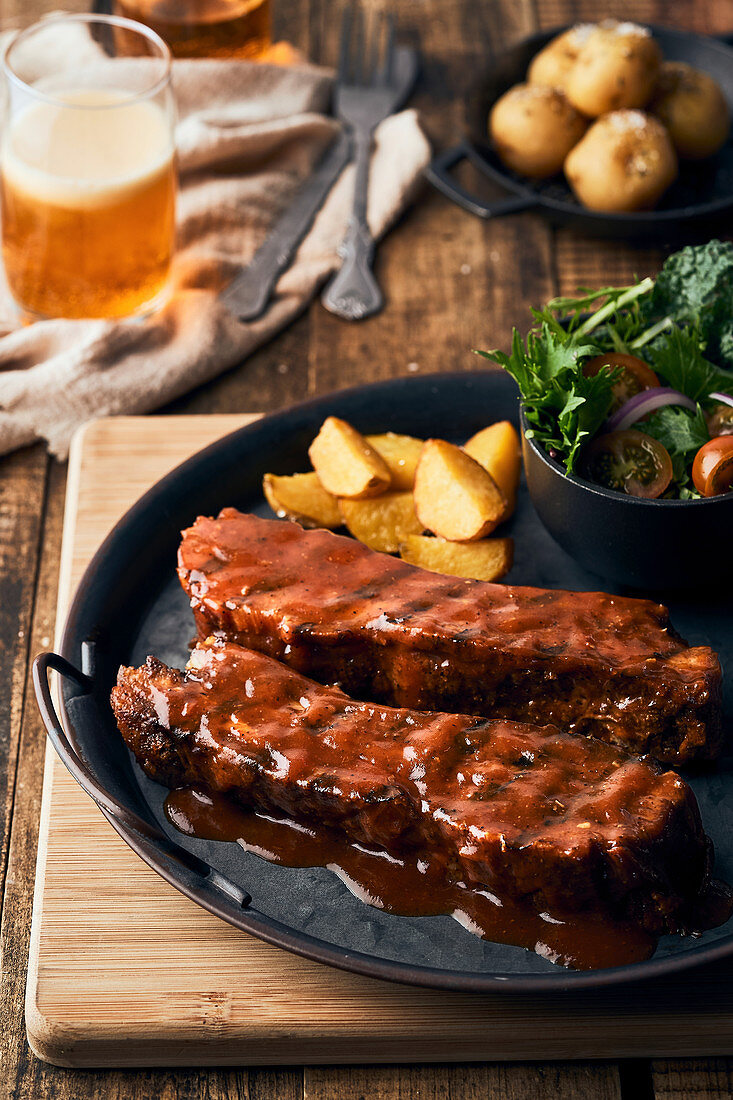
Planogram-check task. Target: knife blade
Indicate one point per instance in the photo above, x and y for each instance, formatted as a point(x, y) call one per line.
point(249, 291)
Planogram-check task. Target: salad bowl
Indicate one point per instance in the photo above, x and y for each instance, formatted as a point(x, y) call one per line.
point(644, 544)
point(627, 422)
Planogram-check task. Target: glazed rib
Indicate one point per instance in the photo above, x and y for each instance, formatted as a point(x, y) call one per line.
point(588, 662)
point(561, 822)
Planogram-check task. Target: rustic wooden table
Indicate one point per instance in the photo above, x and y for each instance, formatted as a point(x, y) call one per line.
point(452, 283)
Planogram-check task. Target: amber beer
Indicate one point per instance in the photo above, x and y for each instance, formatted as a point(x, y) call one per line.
point(205, 28)
point(88, 202)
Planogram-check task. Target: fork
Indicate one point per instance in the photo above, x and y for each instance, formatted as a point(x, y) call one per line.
point(368, 89)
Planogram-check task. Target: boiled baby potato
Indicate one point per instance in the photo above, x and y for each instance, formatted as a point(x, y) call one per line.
point(693, 108)
point(347, 466)
point(384, 522)
point(486, 560)
point(617, 66)
point(498, 450)
point(552, 64)
point(455, 497)
point(624, 163)
point(301, 497)
point(401, 453)
point(533, 128)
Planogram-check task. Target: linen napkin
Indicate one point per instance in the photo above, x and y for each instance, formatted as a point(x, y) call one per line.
point(248, 135)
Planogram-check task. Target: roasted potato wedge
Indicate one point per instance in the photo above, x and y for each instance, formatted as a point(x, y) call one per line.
point(383, 522)
point(486, 560)
point(347, 466)
point(301, 497)
point(455, 497)
point(401, 453)
point(497, 449)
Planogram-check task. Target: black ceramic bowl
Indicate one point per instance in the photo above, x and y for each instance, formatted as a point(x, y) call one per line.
point(649, 544)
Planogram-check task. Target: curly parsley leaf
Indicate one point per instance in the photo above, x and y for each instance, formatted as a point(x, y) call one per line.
point(563, 407)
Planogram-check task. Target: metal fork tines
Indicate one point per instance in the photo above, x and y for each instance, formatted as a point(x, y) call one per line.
point(373, 79)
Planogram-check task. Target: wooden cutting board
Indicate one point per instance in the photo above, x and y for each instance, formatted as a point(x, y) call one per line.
point(125, 971)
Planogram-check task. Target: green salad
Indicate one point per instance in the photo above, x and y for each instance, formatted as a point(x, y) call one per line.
point(632, 387)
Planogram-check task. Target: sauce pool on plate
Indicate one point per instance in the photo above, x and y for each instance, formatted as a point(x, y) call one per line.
point(409, 887)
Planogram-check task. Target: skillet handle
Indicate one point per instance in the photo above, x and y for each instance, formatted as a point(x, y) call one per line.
point(76, 766)
point(438, 173)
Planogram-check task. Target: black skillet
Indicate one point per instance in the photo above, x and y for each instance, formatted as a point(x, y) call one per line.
point(129, 604)
point(698, 203)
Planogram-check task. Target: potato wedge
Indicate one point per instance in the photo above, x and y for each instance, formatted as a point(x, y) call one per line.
point(401, 453)
point(301, 497)
point(485, 560)
point(455, 497)
point(346, 464)
point(498, 450)
point(383, 522)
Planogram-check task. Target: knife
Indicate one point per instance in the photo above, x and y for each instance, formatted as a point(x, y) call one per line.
point(249, 292)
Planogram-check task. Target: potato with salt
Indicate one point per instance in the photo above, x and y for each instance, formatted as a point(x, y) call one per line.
point(384, 522)
point(617, 66)
point(455, 497)
point(624, 163)
point(693, 108)
point(302, 498)
point(552, 64)
point(533, 128)
point(401, 453)
point(347, 466)
point(485, 560)
point(498, 450)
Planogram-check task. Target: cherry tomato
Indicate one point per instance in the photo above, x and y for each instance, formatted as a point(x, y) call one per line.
point(630, 462)
point(712, 470)
point(720, 420)
point(635, 377)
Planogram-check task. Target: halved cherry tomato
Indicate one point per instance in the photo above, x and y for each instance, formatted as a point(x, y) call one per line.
point(720, 420)
point(635, 377)
point(712, 470)
point(630, 462)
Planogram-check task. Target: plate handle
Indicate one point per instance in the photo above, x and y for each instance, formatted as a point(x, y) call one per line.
point(43, 664)
point(439, 171)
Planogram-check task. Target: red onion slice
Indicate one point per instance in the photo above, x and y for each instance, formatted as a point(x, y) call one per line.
point(648, 401)
point(724, 398)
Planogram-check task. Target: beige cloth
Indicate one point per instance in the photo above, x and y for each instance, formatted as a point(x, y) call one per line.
point(247, 137)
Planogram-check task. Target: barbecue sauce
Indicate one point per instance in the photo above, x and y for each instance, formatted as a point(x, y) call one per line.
point(410, 886)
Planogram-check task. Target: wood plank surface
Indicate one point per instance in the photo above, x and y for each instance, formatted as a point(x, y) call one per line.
point(435, 312)
point(510, 1082)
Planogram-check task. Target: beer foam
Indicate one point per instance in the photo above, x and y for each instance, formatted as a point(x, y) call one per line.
point(93, 149)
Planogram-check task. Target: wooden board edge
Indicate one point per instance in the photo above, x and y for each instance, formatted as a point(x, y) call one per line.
point(44, 1035)
point(66, 1046)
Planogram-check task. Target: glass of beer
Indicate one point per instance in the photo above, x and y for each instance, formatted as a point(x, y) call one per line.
point(206, 28)
point(87, 169)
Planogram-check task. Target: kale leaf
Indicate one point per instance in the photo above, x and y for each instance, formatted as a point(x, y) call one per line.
point(695, 287)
